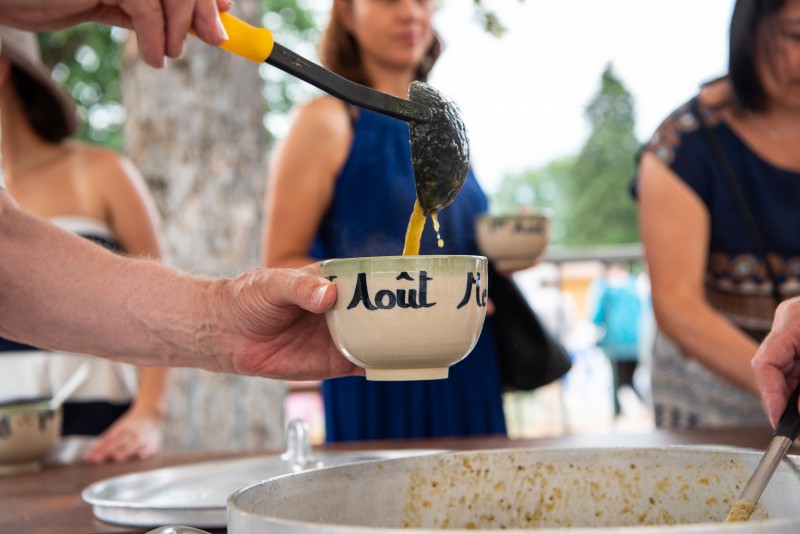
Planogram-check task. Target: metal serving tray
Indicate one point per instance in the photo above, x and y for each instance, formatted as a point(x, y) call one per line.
point(195, 494)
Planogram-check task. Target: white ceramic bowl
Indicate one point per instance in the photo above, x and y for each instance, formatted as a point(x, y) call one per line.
point(28, 431)
point(512, 242)
point(407, 317)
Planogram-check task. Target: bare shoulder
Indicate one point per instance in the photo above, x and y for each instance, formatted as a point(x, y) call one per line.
point(104, 168)
point(326, 115)
point(97, 158)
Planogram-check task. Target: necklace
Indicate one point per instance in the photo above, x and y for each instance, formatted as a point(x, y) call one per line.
point(775, 134)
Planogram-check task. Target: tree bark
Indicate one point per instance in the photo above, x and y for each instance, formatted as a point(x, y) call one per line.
point(195, 131)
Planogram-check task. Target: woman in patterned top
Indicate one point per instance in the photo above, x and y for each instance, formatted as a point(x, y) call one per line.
point(95, 193)
point(714, 294)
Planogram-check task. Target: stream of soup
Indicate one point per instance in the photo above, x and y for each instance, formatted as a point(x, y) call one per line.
point(416, 224)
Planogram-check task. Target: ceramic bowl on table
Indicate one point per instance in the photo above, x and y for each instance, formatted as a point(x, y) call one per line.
point(512, 242)
point(28, 432)
point(407, 317)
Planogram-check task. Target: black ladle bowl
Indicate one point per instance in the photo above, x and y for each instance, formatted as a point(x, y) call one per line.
point(439, 150)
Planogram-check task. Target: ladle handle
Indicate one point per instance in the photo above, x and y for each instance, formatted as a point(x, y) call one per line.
point(786, 432)
point(245, 40)
point(789, 423)
point(258, 45)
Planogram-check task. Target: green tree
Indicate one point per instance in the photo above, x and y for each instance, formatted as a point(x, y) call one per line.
point(85, 59)
point(586, 195)
point(538, 190)
point(601, 209)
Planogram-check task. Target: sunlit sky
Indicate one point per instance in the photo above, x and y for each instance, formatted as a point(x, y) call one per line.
point(522, 95)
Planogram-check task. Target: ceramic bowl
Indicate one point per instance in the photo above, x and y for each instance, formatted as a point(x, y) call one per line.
point(407, 317)
point(28, 431)
point(512, 242)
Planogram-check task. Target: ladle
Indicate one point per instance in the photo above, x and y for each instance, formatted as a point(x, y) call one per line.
point(786, 431)
point(439, 145)
point(73, 382)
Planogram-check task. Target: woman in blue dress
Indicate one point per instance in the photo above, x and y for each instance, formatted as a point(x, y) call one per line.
point(341, 185)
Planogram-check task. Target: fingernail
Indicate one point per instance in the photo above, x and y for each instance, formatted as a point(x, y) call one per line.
point(221, 29)
point(320, 292)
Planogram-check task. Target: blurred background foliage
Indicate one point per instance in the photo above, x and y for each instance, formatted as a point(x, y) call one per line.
point(86, 60)
point(586, 194)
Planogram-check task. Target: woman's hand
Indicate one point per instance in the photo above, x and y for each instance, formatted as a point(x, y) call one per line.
point(137, 434)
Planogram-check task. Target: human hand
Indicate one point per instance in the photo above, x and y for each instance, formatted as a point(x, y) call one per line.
point(263, 326)
point(136, 434)
point(160, 25)
point(776, 364)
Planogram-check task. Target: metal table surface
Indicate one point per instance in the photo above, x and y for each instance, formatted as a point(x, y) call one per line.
point(50, 501)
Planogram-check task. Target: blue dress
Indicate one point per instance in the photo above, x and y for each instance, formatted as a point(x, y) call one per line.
point(372, 202)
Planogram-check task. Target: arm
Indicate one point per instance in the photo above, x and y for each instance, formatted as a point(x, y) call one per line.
point(161, 25)
point(134, 220)
point(674, 225)
point(59, 291)
point(301, 180)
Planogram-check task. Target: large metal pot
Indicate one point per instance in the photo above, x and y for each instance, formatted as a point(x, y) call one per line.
point(646, 490)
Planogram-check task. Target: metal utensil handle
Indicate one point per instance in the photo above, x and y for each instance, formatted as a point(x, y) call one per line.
point(343, 89)
point(786, 431)
point(766, 467)
point(789, 423)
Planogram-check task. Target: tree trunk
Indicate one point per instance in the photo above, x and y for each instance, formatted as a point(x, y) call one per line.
point(195, 131)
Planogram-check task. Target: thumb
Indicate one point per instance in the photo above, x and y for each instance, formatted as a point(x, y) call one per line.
point(311, 292)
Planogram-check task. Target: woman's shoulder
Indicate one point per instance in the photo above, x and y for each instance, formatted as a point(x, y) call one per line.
point(91, 157)
point(326, 112)
point(104, 170)
point(680, 130)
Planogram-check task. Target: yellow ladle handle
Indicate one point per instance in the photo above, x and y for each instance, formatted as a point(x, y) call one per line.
point(245, 40)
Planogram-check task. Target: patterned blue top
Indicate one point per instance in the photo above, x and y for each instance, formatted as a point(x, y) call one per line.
point(373, 199)
point(737, 281)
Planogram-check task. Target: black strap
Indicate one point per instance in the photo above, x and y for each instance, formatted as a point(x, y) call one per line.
point(741, 202)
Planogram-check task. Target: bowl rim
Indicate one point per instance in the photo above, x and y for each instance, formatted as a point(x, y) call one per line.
point(543, 214)
point(26, 405)
point(402, 258)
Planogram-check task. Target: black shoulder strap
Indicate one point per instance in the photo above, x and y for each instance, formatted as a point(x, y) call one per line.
point(741, 202)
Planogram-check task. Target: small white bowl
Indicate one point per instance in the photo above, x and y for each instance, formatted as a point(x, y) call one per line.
point(407, 317)
point(28, 431)
point(512, 242)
